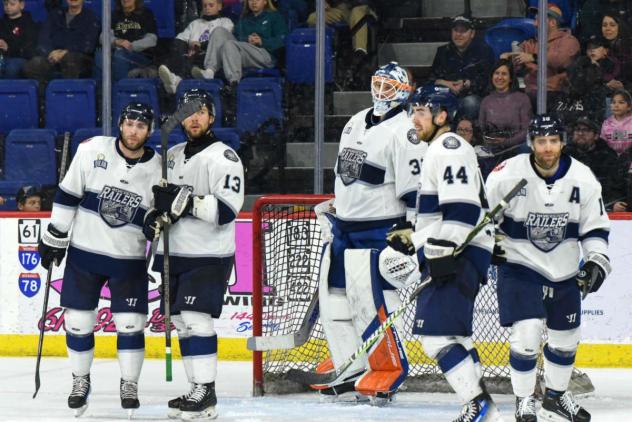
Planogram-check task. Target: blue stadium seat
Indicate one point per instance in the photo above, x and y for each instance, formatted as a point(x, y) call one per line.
point(18, 102)
point(229, 136)
point(8, 190)
point(500, 36)
point(175, 138)
point(165, 14)
point(127, 90)
point(261, 72)
point(30, 156)
point(213, 86)
point(258, 99)
point(37, 9)
point(71, 104)
point(97, 6)
point(81, 135)
point(300, 56)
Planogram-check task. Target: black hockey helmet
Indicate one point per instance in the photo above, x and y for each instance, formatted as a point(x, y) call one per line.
point(198, 94)
point(546, 125)
point(138, 111)
point(437, 98)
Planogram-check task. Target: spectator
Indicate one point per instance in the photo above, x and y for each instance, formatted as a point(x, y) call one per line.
point(468, 130)
point(2, 201)
point(463, 65)
point(589, 76)
point(587, 147)
point(624, 178)
point(506, 111)
point(29, 199)
point(189, 45)
point(592, 11)
point(355, 13)
point(562, 49)
point(18, 37)
point(617, 34)
point(260, 37)
point(133, 37)
point(616, 130)
point(66, 44)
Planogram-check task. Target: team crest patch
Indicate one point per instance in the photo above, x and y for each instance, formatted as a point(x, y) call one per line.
point(350, 162)
point(546, 231)
point(231, 155)
point(412, 137)
point(348, 129)
point(171, 162)
point(117, 206)
point(451, 142)
point(100, 162)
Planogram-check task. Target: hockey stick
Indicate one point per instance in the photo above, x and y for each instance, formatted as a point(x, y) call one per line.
point(49, 273)
point(186, 110)
point(333, 377)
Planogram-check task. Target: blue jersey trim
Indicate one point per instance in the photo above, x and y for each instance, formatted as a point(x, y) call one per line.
point(521, 364)
point(359, 226)
point(80, 343)
point(369, 174)
point(225, 213)
point(64, 198)
point(461, 212)
point(517, 229)
point(410, 199)
point(596, 234)
point(202, 346)
point(91, 202)
point(130, 341)
point(105, 265)
point(428, 204)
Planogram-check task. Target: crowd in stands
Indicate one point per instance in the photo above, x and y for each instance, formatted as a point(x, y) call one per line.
point(589, 66)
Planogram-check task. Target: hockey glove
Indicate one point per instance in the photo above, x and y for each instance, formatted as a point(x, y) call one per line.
point(399, 238)
point(52, 246)
point(440, 259)
point(400, 270)
point(498, 255)
point(592, 274)
point(152, 226)
point(174, 200)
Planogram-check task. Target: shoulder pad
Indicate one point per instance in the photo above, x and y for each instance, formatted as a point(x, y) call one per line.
point(450, 142)
point(230, 155)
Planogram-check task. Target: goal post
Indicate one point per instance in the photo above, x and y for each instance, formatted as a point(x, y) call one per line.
point(287, 249)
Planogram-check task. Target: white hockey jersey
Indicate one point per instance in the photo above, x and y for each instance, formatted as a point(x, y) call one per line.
point(378, 167)
point(103, 198)
point(217, 171)
point(452, 200)
point(547, 220)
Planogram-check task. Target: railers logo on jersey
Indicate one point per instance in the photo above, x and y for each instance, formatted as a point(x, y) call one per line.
point(350, 163)
point(117, 206)
point(546, 231)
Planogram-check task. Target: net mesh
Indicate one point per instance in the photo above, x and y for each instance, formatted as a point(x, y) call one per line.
point(291, 251)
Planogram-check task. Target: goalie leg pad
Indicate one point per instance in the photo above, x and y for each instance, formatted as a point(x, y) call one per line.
point(559, 357)
point(130, 343)
point(202, 346)
point(524, 347)
point(79, 327)
point(387, 360)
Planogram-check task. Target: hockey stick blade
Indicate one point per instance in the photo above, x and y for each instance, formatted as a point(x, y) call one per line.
point(331, 378)
point(187, 109)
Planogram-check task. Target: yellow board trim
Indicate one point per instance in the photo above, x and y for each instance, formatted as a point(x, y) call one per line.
point(588, 355)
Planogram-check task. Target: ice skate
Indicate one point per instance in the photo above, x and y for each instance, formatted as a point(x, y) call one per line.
point(562, 407)
point(129, 397)
point(199, 404)
point(174, 405)
point(480, 409)
point(525, 409)
point(342, 393)
point(383, 399)
point(78, 398)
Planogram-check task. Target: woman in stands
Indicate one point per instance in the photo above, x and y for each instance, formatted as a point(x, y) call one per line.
point(504, 116)
point(617, 34)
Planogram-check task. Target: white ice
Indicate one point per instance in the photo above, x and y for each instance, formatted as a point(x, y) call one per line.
point(612, 400)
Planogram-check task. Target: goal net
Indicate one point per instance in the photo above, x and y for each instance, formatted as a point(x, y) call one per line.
point(287, 249)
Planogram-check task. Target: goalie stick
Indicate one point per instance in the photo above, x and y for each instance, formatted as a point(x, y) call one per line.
point(334, 377)
point(49, 273)
point(186, 110)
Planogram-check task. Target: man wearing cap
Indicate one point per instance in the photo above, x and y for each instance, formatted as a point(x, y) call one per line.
point(562, 49)
point(29, 199)
point(587, 147)
point(463, 65)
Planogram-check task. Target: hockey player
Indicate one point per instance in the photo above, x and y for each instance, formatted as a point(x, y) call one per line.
point(103, 199)
point(451, 202)
point(204, 196)
point(560, 208)
point(377, 169)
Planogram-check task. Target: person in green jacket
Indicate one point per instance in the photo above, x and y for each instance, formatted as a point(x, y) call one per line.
point(259, 37)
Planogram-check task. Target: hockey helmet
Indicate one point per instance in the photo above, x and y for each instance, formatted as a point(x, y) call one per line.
point(390, 87)
point(436, 98)
point(545, 125)
point(138, 111)
point(198, 94)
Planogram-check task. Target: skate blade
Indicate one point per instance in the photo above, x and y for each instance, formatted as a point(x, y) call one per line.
point(80, 410)
point(130, 413)
point(546, 415)
point(381, 401)
point(350, 397)
point(206, 415)
point(174, 413)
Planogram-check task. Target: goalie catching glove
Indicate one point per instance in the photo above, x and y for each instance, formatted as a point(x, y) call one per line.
point(52, 246)
point(592, 274)
point(399, 238)
point(173, 199)
point(440, 259)
point(398, 269)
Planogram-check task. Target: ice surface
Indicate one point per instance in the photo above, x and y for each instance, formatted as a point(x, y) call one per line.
point(611, 402)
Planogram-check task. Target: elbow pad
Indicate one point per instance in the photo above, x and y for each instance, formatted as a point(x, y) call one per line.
point(205, 208)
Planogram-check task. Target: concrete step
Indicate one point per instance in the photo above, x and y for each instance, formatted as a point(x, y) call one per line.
point(348, 103)
point(301, 154)
point(408, 54)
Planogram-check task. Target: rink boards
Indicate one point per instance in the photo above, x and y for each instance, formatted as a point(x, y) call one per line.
point(606, 317)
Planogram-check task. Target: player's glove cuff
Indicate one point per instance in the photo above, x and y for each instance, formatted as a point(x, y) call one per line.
point(399, 238)
point(52, 246)
point(440, 258)
point(593, 273)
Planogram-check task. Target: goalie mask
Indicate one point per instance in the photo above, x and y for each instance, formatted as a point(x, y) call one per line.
point(390, 87)
point(140, 112)
point(545, 125)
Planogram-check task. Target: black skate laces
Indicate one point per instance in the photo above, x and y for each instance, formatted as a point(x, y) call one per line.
point(129, 389)
point(80, 385)
point(526, 406)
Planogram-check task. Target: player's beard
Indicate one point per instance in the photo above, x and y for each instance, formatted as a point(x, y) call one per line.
point(196, 132)
point(548, 162)
point(132, 147)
